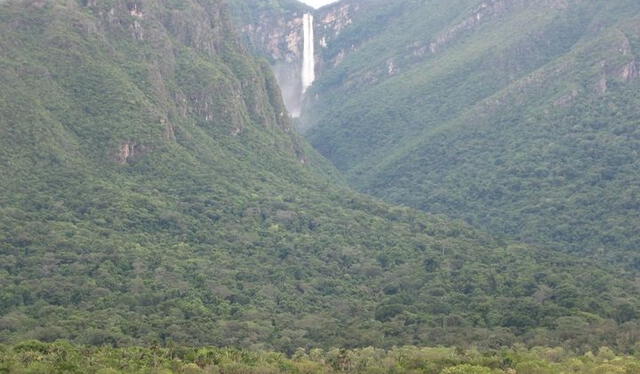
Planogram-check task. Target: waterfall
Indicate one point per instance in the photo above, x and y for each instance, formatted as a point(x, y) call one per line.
point(308, 60)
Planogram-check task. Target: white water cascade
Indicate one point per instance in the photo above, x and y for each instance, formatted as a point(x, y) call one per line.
point(308, 60)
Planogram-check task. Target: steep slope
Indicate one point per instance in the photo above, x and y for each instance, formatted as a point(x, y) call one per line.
point(274, 30)
point(518, 116)
point(153, 191)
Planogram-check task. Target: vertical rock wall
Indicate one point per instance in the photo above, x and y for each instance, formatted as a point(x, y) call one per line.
point(280, 37)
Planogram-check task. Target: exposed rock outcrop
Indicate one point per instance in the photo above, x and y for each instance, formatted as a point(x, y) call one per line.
point(130, 152)
point(279, 36)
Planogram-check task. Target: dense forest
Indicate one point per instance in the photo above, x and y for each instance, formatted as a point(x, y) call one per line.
point(520, 117)
point(159, 212)
point(62, 357)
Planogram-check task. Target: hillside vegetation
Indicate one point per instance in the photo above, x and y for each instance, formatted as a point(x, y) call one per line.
point(520, 117)
point(154, 193)
point(62, 357)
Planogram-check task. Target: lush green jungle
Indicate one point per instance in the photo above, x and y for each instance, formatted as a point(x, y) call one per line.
point(63, 357)
point(519, 117)
point(160, 213)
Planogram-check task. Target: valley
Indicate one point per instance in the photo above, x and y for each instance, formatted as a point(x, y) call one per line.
point(209, 186)
point(454, 108)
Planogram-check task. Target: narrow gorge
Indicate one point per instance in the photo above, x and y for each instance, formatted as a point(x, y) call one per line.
point(297, 41)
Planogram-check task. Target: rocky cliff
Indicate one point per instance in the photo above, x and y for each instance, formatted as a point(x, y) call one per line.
point(276, 32)
point(163, 66)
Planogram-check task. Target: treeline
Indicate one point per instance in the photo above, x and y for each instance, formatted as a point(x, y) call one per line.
point(63, 357)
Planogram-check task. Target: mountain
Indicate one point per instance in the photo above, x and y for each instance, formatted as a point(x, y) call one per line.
point(519, 117)
point(154, 191)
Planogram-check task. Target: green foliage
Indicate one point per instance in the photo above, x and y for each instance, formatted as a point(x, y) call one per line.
point(61, 357)
point(250, 12)
point(154, 193)
point(467, 369)
point(519, 119)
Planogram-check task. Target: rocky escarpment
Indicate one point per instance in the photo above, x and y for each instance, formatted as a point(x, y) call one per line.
point(280, 39)
point(277, 34)
point(239, 94)
point(332, 22)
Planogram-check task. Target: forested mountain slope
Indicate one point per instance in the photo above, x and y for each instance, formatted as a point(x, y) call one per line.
point(518, 116)
point(154, 192)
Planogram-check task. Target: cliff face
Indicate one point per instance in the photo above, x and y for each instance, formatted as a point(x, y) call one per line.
point(279, 37)
point(198, 24)
point(142, 51)
point(276, 32)
point(332, 21)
